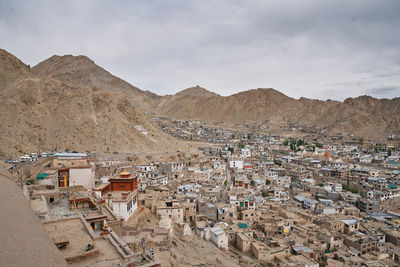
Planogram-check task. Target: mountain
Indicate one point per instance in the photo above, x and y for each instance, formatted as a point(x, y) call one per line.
point(196, 91)
point(82, 71)
point(364, 115)
point(11, 67)
point(43, 111)
point(68, 102)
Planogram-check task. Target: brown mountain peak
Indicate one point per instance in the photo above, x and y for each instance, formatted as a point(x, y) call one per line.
point(11, 67)
point(196, 91)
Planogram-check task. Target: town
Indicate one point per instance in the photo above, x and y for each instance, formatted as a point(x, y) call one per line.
point(245, 198)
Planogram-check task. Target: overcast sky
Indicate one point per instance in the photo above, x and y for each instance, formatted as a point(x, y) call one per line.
point(316, 49)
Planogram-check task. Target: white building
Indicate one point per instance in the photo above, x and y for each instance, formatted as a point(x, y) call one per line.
point(310, 204)
point(159, 180)
point(245, 153)
point(123, 203)
point(188, 188)
point(236, 164)
point(218, 237)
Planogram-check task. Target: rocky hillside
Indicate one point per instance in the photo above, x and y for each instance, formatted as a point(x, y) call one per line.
point(68, 102)
point(80, 70)
point(364, 115)
point(43, 113)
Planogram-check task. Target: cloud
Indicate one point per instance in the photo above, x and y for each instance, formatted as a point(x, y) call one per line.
point(316, 49)
point(384, 91)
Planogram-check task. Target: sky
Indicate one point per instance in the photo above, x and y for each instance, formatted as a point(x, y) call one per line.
point(314, 49)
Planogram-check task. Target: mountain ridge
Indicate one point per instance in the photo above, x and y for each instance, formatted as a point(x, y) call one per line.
point(93, 96)
point(42, 113)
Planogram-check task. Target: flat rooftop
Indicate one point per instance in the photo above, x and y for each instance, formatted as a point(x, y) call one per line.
point(75, 232)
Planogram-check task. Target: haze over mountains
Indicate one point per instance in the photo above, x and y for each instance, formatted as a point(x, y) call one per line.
point(70, 102)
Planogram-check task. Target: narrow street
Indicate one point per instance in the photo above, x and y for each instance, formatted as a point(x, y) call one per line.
point(222, 198)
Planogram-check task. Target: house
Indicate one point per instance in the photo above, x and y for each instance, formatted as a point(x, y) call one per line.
point(245, 153)
point(362, 243)
point(189, 211)
point(74, 169)
point(238, 164)
point(218, 237)
point(265, 254)
point(123, 203)
point(349, 226)
point(241, 181)
point(310, 204)
point(243, 242)
point(208, 209)
point(170, 209)
point(159, 180)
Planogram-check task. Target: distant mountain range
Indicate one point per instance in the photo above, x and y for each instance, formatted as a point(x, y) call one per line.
point(70, 102)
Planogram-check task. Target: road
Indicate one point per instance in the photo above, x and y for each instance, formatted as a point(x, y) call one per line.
point(222, 198)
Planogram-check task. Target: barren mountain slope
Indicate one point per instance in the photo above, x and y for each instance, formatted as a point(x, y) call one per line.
point(11, 67)
point(46, 114)
point(364, 115)
point(84, 94)
point(80, 70)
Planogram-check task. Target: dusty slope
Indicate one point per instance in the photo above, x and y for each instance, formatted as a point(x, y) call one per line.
point(364, 115)
point(45, 114)
point(23, 240)
point(80, 70)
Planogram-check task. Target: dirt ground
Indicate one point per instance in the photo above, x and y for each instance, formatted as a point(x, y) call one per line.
point(23, 240)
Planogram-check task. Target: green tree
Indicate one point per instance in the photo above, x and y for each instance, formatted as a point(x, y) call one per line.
point(264, 194)
point(267, 182)
point(286, 143)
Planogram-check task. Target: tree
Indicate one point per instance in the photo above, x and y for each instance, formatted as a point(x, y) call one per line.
point(231, 149)
point(264, 194)
point(267, 182)
point(286, 143)
point(300, 142)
